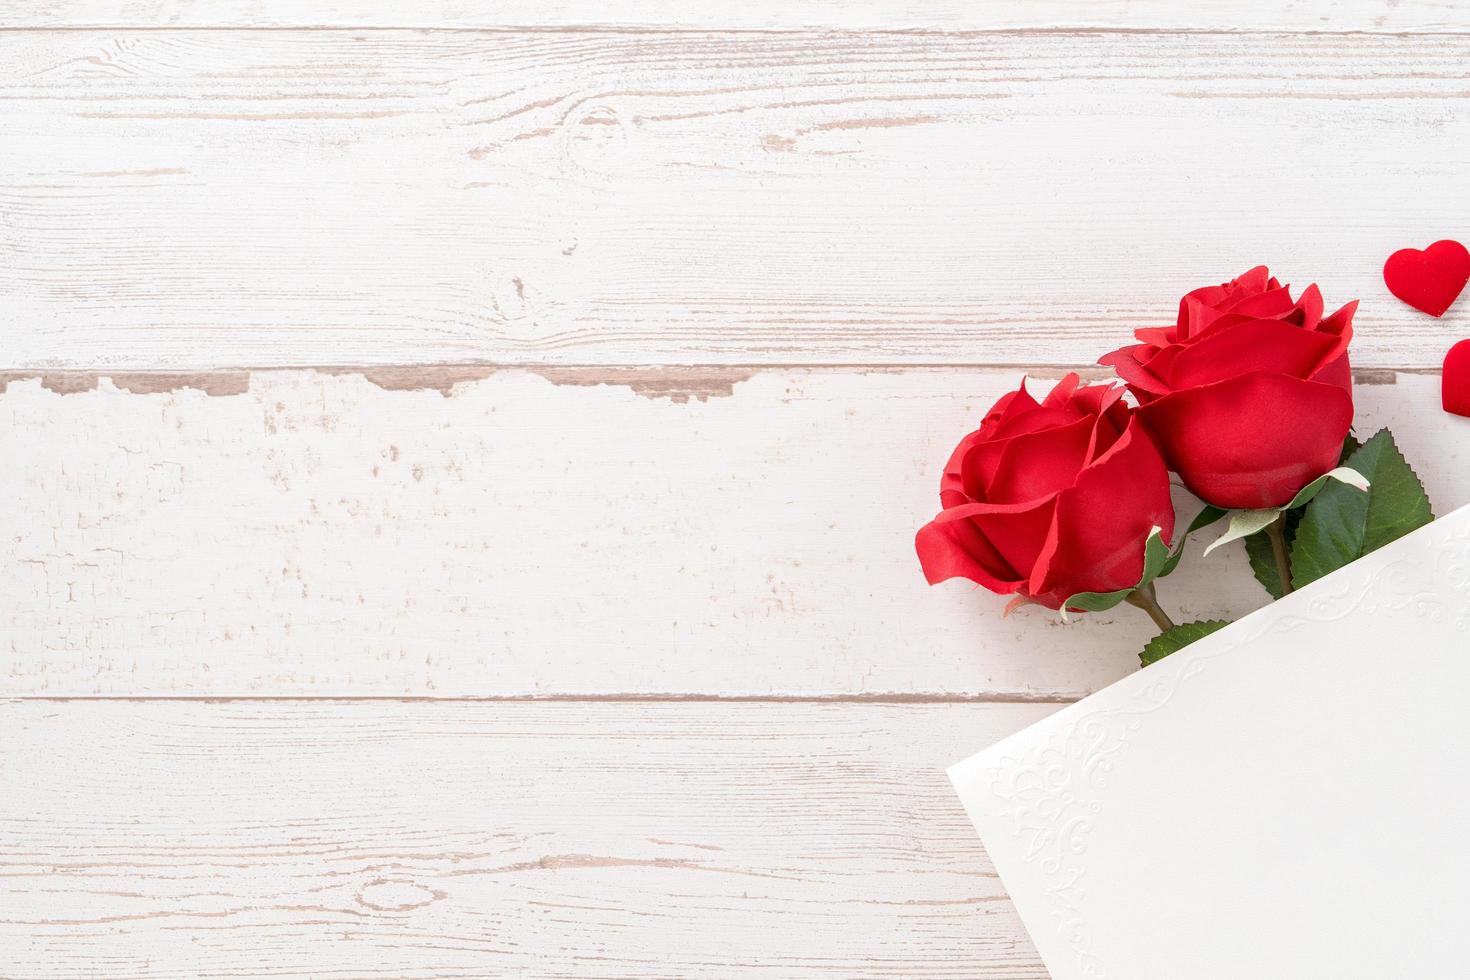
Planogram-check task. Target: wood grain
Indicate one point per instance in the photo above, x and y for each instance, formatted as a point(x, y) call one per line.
point(182, 200)
point(659, 320)
point(309, 839)
point(1235, 15)
point(749, 534)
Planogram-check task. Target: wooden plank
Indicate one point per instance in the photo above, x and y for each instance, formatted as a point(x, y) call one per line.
point(185, 200)
point(311, 839)
point(530, 536)
point(1317, 15)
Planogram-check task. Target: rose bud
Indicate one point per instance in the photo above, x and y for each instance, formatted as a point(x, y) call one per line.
point(1050, 500)
point(1249, 395)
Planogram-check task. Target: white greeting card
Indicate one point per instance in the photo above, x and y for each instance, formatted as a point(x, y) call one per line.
point(1286, 798)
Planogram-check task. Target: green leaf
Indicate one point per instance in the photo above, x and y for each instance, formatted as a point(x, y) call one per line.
point(1341, 525)
point(1176, 638)
point(1263, 563)
point(1258, 548)
point(1263, 558)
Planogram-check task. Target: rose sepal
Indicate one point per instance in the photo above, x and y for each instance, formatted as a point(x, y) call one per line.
point(1244, 523)
point(1159, 560)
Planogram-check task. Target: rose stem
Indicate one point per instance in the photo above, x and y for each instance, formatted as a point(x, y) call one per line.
point(1147, 600)
point(1276, 531)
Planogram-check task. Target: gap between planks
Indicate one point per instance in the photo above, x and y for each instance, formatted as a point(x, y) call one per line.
point(1067, 30)
point(650, 379)
point(885, 698)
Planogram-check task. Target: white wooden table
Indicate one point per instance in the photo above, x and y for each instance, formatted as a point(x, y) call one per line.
point(461, 460)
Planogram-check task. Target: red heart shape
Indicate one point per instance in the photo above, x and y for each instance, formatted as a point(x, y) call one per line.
point(1455, 385)
point(1428, 280)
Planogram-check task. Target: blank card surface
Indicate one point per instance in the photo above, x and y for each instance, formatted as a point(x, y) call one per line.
point(1286, 798)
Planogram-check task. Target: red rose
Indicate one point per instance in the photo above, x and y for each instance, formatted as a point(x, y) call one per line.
point(1249, 395)
point(1050, 500)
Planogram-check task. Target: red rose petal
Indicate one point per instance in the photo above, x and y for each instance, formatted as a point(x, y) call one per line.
point(983, 457)
point(1156, 336)
point(1037, 419)
point(1308, 310)
point(1252, 441)
point(1337, 371)
point(1162, 362)
point(1062, 392)
point(1110, 428)
point(957, 549)
point(1429, 280)
point(1272, 304)
point(1340, 324)
point(1096, 542)
point(1455, 389)
point(977, 469)
point(951, 484)
point(1096, 399)
point(1128, 363)
point(1038, 465)
point(1201, 307)
point(1255, 345)
point(1255, 279)
point(1011, 403)
point(1017, 535)
point(1197, 310)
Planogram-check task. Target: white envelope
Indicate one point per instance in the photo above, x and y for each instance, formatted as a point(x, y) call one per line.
point(1286, 798)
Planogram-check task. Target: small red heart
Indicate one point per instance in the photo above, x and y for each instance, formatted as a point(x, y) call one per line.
point(1428, 280)
point(1455, 385)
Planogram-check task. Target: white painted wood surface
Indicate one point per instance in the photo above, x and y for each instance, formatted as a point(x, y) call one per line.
point(449, 839)
point(318, 534)
point(883, 15)
point(194, 199)
point(667, 315)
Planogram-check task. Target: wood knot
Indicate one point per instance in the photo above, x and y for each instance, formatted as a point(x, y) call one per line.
point(396, 895)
